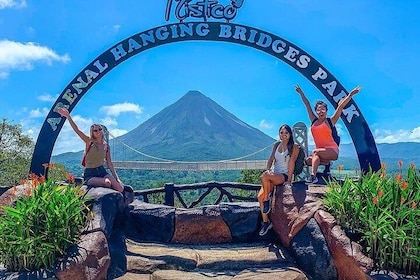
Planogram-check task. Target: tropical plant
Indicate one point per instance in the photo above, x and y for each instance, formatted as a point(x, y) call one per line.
point(384, 211)
point(41, 224)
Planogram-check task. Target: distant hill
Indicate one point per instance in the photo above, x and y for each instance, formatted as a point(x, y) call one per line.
point(195, 128)
point(408, 152)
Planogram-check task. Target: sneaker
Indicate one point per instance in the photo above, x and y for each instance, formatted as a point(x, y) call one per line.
point(327, 170)
point(266, 206)
point(265, 227)
point(309, 180)
point(312, 180)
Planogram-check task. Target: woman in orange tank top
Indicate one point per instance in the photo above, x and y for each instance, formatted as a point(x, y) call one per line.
point(326, 149)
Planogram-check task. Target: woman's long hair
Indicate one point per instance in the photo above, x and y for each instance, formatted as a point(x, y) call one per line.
point(291, 141)
point(105, 132)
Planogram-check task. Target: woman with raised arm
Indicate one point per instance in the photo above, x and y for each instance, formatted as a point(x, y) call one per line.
point(326, 149)
point(97, 151)
point(280, 168)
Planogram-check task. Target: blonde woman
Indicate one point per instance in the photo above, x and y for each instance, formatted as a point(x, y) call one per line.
point(97, 151)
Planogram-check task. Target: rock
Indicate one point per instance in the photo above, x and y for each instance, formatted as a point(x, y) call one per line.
point(106, 205)
point(217, 261)
point(243, 219)
point(89, 259)
point(128, 195)
point(203, 225)
point(311, 252)
point(293, 207)
point(351, 263)
point(118, 251)
point(149, 222)
point(278, 273)
point(12, 194)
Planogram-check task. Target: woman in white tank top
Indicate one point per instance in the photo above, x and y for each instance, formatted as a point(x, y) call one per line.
point(280, 168)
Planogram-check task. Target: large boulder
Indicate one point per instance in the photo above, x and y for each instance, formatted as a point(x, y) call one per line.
point(203, 225)
point(312, 236)
point(149, 222)
point(351, 263)
point(89, 259)
point(242, 218)
point(311, 252)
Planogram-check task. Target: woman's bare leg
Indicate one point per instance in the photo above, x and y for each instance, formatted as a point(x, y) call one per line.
point(261, 200)
point(108, 182)
point(268, 181)
point(322, 156)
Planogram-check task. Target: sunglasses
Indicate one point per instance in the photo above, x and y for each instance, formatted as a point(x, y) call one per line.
point(96, 130)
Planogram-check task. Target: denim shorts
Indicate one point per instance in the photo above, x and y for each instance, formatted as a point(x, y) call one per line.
point(94, 172)
point(286, 177)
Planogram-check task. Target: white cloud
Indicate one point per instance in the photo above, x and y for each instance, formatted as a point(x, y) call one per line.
point(47, 97)
point(116, 109)
point(21, 56)
point(265, 125)
point(109, 122)
point(388, 136)
point(39, 113)
point(116, 27)
point(12, 4)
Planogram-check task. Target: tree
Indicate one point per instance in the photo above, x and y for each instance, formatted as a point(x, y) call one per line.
point(251, 176)
point(16, 151)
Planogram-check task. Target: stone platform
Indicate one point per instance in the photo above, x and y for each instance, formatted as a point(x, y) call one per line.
point(220, 262)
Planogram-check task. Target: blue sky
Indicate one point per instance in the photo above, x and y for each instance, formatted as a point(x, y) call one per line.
point(45, 44)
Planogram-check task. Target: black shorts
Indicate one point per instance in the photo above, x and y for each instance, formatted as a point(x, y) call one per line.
point(94, 172)
point(286, 177)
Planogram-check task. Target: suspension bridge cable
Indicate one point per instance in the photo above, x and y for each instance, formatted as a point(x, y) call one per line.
point(176, 161)
point(254, 153)
point(139, 152)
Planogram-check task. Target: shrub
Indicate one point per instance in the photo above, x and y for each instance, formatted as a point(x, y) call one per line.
point(384, 210)
point(251, 176)
point(40, 226)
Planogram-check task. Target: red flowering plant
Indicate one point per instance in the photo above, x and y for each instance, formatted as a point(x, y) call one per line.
point(40, 223)
point(383, 210)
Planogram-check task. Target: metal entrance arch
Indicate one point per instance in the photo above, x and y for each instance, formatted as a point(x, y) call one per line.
point(269, 43)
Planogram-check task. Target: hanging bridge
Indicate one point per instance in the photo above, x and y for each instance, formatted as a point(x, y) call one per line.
point(155, 163)
point(240, 163)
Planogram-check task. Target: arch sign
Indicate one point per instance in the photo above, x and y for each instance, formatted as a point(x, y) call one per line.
point(220, 29)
